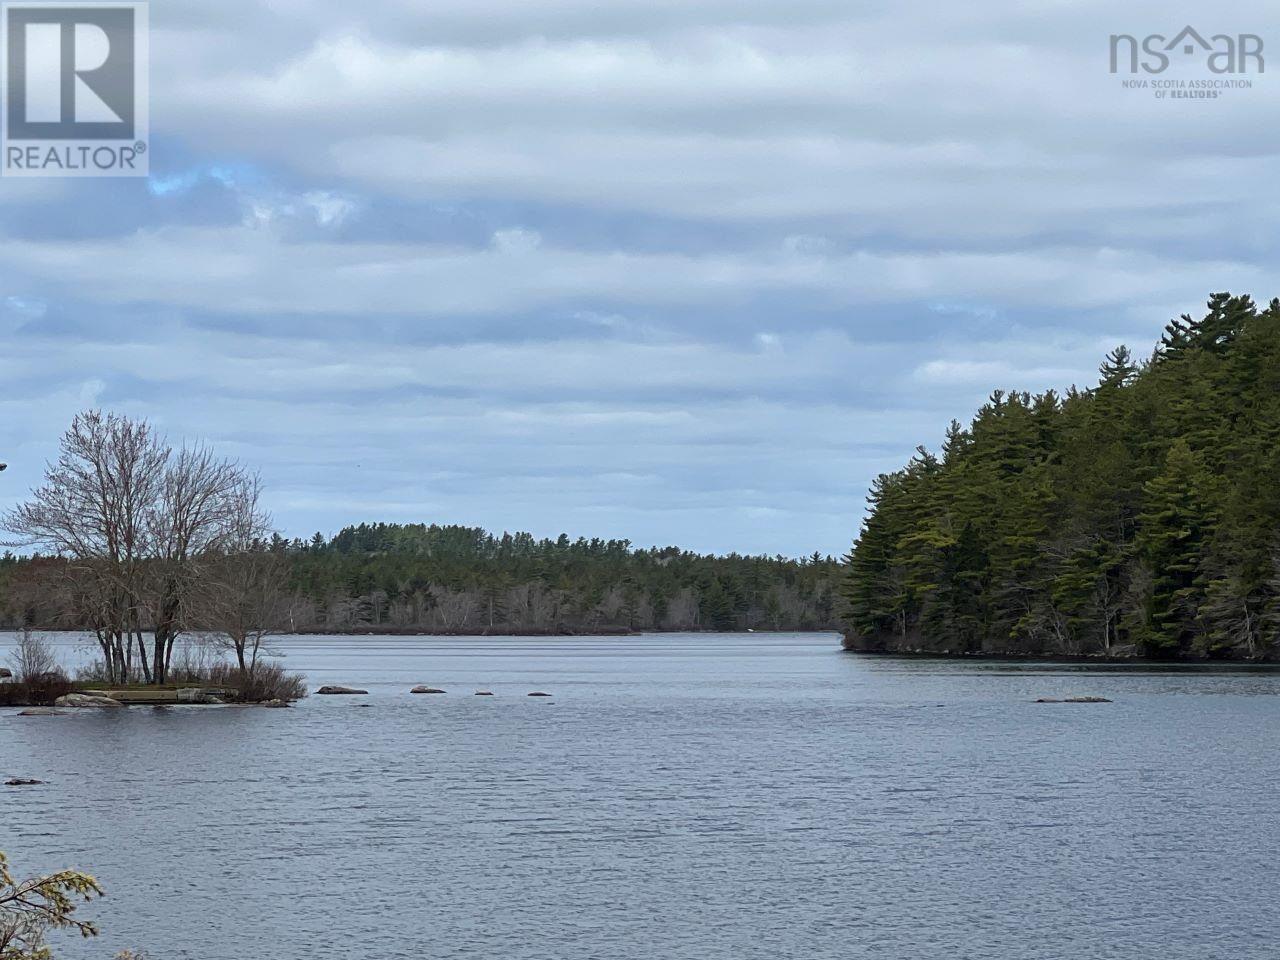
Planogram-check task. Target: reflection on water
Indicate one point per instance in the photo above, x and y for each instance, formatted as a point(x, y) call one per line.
point(741, 796)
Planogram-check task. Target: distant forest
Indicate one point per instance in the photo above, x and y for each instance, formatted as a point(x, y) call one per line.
point(464, 580)
point(1139, 517)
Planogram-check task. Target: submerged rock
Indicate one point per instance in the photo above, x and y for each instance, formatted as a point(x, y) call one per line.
point(484, 693)
point(23, 782)
point(85, 700)
point(1073, 700)
point(538, 693)
point(275, 704)
point(39, 712)
point(334, 691)
point(422, 689)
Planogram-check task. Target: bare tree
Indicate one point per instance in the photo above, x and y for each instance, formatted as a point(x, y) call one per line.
point(92, 509)
point(242, 598)
point(196, 515)
point(33, 657)
point(453, 607)
point(240, 590)
point(133, 518)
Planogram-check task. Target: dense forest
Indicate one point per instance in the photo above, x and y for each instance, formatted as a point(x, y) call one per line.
point(1139, 517)
point(453, 579)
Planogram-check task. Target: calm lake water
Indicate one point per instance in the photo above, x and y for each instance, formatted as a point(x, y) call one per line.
point(681, 796)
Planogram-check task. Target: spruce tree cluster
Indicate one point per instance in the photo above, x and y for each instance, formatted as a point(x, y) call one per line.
point(1139, 517)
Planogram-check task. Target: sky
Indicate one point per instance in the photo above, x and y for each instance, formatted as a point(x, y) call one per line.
point(678, 272)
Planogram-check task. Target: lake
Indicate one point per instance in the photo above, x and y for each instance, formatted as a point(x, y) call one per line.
point(681, 796)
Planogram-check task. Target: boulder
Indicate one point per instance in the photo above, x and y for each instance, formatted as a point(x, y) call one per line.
point(39, 712)
point(198, 696)
point(275, 704)
point(484, 693)
point(538, 693)
point(421, 689)
point(85, 700)
point(23, 782)
point(332, 691)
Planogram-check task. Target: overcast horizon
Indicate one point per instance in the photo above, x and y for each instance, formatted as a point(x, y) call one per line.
point(677, 273)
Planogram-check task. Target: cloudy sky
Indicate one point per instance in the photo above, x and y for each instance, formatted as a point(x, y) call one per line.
point(677, 271)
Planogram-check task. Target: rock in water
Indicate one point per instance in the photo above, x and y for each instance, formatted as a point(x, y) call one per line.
point(275, 704)
point(539, 693)
point(23, 782)
point(333, 691)
point(484, 693)
point(85, 700)
point(421, 689)
point(39, 712)
point(198, 696)
point(1073, 700)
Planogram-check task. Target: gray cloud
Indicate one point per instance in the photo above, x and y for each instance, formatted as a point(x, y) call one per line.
point(674, 271)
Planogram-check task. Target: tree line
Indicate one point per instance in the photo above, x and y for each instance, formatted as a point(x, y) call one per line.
point(1138, 517)
point(140, 543)
point(456, 579)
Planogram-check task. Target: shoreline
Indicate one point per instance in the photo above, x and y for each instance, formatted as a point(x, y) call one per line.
point(602, 632)
point(414, 632)
point(1082, 658)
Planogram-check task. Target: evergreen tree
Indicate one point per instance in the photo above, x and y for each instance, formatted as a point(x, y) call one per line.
point(1141, 515)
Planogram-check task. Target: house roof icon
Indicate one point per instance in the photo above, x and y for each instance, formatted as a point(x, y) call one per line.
point(1185, 38)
